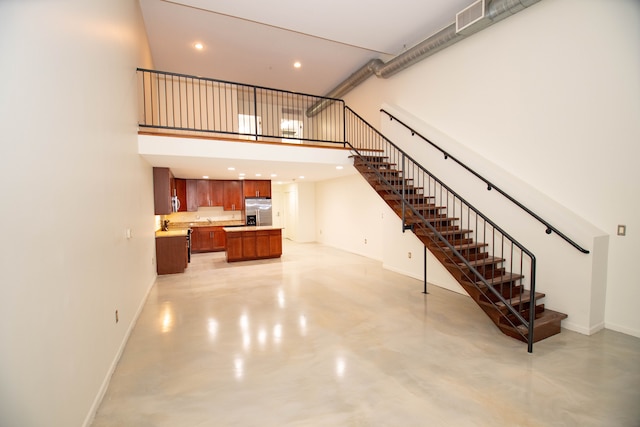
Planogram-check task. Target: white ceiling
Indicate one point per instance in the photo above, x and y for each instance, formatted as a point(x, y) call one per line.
point(257, 42)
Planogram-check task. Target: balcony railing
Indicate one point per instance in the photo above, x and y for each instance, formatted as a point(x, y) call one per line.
point(171, 102)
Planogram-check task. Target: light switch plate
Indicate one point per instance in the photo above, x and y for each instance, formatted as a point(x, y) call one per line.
point(622, 230)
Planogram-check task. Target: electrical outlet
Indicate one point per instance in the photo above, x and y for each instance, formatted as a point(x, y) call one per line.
point(409, 255)
point(117, 316)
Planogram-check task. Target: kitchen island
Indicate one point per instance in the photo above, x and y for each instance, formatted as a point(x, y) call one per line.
point(253, 242)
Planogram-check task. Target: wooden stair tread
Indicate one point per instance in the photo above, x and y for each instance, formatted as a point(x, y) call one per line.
point(446, 232)
point(542, 318)
point(505, 278)
point(397, 187)
point(467, 246)
point(523, 298)
point(483, 262)
point(394, 196)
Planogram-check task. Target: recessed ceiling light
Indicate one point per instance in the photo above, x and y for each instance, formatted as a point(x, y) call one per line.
point(198, 46)
point(231, 168)
point(301, 176)
point(242, 174)
point(258, 174)
point(297, 64)
point(339, 167)
point(273, 175)
point(205, 176)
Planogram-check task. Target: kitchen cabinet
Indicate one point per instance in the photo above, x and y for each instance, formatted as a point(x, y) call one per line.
point(172, 254)
point(257, 188)
point(216, 192)
point(181, 192)
point(249, 246)
point(163, 188)
point(262, 244)
point(234, 247)
point(192, 195)
point(247, 243)
point(209, 192)
point(208, 239)
point(202, 188)
point(233, 195)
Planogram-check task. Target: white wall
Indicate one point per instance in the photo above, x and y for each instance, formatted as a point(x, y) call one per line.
point(73, 182)
point(296, 202)
point(352, 216)
point(552, 96)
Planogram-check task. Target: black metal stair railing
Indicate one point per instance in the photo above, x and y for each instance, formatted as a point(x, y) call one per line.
point(434, 211)
point(178, 102)
point(490, 186)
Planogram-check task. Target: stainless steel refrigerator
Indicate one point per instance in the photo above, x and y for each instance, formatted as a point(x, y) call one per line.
point(258, 211)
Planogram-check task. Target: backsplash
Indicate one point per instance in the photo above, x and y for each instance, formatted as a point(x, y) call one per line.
point(204, 214)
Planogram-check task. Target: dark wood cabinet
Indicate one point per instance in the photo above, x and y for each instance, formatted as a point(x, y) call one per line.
point(163, 187)
point(234, 246)
point(195, 193)
point(181, 192)
point(263, 248)
point(208, 239)
point(257, 188)
point(249, 245)
point(233, 195)
point(275, 242)
point(172, 254)
point(192, 195)
point(209, 192)
point(216, 193)
point(202, 188)
point(253, 244)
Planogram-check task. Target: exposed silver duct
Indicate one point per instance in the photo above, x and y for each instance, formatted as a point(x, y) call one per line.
point(495, 11)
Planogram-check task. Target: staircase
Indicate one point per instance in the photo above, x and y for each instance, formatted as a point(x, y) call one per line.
point(488, 264)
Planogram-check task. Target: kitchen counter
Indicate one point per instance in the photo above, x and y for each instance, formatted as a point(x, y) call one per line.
point(193, 224)
point(250, 228)
point(172, 233)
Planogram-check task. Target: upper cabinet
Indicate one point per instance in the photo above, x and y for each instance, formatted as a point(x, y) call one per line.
point(257, 188)
point(209, 193)
point(233, 195)
point(195, 193)
point(192, 195)
point(181, 192)
point(163, 188)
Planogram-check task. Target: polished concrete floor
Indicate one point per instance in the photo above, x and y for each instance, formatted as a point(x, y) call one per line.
point(322, 337)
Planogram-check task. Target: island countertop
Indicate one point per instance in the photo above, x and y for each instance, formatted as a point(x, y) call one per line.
point(251, 228)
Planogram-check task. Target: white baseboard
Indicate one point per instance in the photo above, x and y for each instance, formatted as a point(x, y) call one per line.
point(107, 379)
point(581, 329)
point(622, 329)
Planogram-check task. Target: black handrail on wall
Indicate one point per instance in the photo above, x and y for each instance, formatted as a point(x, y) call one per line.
point(490, 186)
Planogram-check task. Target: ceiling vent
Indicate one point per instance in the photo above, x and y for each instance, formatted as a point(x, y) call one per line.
point(469, 16)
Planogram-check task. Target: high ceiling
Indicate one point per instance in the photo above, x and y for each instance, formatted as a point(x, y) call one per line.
point(257, 42)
